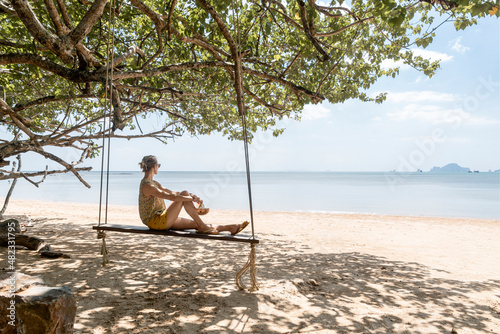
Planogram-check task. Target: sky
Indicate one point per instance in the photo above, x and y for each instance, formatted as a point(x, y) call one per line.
point(453, 117)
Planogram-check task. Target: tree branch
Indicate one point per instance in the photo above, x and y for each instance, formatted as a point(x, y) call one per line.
point(87, 23)
point(50, 98)
point(156, 90)
point(326, 10)
point(169, 18)
point(22, 123)
point(114, 95)
point(132, 50)
point(84, 76)
point(284, 14)
point(33, 182)
point(159, 26)
point(11, 188)
point(235, 53)
point(5, 6)
point(14, 45)
point(155, 17)
point(307, 30)
point(46, 64)
point(61, 29)
point(60, 161)
point(64, 13)
point(290, 65)
point(336, 32)
point(273, 109)
point(152, 106)
point(199, 40)
point(37, 30)
point(46, 172)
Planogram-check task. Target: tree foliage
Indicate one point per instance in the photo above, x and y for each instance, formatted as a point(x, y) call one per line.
point(67, 66)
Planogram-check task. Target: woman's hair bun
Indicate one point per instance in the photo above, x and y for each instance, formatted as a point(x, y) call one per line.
point(148, 162)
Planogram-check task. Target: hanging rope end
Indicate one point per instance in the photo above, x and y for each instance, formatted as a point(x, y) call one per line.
point(249, 265)
point(104, 249)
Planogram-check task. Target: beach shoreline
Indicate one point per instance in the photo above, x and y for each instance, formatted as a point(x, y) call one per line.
point(416, 194)
point(319, 272)
point(131, 207)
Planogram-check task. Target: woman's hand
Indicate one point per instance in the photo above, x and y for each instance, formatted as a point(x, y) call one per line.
point(196, 199)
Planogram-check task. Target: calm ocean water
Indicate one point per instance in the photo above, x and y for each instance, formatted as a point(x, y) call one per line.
point(469, 195)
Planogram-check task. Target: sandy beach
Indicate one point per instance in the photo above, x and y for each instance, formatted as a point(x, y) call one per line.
point(319, 273)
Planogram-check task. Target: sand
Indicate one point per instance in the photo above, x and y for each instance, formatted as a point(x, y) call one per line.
point(319, 273)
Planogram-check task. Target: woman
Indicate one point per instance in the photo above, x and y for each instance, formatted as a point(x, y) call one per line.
point(157, 217)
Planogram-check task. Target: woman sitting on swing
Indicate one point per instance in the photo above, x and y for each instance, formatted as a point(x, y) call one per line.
point(156, 216)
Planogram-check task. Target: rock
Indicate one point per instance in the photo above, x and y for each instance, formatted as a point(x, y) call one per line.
point(32, 243)
point(313, 282)
point(10, 226)
point(298, 282)
point(36, 309)
point(46, 310)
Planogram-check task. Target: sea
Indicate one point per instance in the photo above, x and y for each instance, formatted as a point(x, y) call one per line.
point(458, 195)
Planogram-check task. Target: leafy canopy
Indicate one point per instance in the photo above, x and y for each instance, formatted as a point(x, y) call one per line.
point(65, 66)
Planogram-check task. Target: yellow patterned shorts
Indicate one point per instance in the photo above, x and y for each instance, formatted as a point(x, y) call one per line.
point(158, 222)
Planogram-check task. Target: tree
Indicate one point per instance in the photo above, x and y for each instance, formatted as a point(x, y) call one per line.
point(69, 68)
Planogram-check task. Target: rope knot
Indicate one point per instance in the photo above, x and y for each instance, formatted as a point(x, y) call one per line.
point(253, 272)
point(104, 249)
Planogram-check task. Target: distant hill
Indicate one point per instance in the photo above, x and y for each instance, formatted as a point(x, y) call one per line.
point(450, 168)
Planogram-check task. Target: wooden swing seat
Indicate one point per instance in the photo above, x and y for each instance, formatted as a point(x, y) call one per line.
point(177, 233)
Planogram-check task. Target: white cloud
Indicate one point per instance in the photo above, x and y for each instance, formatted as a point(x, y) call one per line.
point(437, 115)
point(432, 55)
point(457, 46)
point(421, 78)
point(312, 112)
point(478, 120)
point(389, 63)
point(428, 114)
point(458, 140)
point(426, 54)
point(422, 96)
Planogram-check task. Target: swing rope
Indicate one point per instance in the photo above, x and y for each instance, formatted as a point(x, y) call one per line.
point(108, 86)
point(250, 264)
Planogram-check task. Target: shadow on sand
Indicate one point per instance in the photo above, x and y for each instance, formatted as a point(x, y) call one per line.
point(171, 285)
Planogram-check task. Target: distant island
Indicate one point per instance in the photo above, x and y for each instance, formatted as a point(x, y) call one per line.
point(450, 168)
point(455, 168)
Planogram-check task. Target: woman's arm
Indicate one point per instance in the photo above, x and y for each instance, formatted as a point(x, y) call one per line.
point(149, 189)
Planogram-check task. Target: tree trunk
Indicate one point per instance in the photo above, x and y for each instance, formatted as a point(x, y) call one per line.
point(27, 241)
point(11, 189)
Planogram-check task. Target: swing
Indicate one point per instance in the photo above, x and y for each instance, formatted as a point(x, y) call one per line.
point(101, 228)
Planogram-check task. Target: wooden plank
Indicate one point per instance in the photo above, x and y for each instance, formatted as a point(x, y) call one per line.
point(177, 233)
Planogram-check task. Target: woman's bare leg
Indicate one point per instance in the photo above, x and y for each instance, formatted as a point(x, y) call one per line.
point(191, 211)
point(183, 223)
point(231, 228)
point(173, 211)
point(174, 221)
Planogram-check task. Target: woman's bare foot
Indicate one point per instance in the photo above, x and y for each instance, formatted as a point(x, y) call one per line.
point(233, 228)
point(206, 229)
